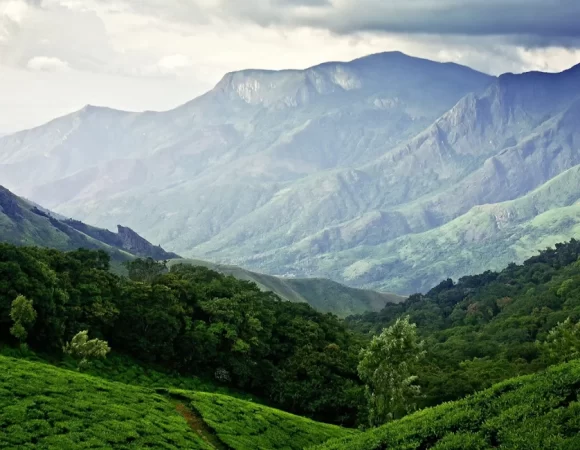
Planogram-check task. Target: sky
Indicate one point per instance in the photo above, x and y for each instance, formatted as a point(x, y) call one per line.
point(58, 55)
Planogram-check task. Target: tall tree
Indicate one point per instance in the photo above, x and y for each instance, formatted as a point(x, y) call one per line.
point(563, 342)
point(387, 367)
point(23, 315)
point(85, 349)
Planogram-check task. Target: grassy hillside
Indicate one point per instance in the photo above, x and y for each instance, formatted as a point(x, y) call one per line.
point(191, 320)
point(243, 425)
point(45, 407)
point(322, 294)
point(42, 406)
point(541, 411)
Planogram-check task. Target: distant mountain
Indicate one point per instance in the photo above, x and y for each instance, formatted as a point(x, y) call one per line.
point(488, 237)
point(24, 223)
point(322, 294)
point(185, 175)
point(497, 146)
point(342, 170)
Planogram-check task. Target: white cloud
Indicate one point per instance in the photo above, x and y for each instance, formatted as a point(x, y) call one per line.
point(155, 54)
point(14, 10)
point(170, 65)
point(47, 64)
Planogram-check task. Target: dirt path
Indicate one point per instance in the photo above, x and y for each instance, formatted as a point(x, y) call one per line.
point(200, 427)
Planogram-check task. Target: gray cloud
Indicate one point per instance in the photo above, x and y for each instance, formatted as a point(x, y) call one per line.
point(302, 2)
point(537, 23)
point(532, 22)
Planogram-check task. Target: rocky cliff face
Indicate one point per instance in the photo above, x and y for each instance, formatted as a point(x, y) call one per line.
point(25, 223)
point(139, 246)
point(9, 205)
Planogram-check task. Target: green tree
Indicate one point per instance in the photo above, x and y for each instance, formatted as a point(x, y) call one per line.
point(562, 343)
point(145, 270)
point(387, 367)
point(83, 349)
point(23, 315)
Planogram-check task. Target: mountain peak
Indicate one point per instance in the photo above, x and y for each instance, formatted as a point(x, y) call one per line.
point(299, 87)
point(574, 69)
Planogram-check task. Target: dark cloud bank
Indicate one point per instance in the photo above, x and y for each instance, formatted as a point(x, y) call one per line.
point(531, 22)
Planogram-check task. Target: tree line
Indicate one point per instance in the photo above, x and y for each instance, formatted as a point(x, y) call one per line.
point(493, 326)
point(456, 339)
point(189, 319)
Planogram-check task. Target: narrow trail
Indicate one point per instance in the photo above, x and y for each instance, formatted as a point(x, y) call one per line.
point(200, 427)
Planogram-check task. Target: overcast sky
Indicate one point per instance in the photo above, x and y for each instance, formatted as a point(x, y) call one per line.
point(58, 55)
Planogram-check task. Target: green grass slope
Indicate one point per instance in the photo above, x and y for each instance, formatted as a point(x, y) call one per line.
point(540, 411)
point(243, 425)
point(47, 407)
point(322, 294)
point(43, 407)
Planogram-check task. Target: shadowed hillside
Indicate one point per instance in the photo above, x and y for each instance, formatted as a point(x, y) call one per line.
point(322, 294)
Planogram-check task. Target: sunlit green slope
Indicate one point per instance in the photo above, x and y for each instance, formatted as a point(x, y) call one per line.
point(540, 411)
point(44, 407)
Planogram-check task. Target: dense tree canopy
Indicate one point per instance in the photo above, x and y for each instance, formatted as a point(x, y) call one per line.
point(489, 327)
point(189, 319)
point(477, 331)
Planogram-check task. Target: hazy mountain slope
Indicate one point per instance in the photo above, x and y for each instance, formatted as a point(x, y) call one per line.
point(299, 172)
point(487, 237)
point(23, 223)
point(216, 159)
point(322, 294)
point(488, 148)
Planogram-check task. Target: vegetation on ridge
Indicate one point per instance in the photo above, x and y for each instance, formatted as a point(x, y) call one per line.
point(24, 223)
point(485, 328)
point(191, 320)
point(535, 412)
point(322, 294)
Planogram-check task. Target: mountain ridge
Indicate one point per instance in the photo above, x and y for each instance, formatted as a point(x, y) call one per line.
point(25, 223)
point(306, 163)
point(322, 294)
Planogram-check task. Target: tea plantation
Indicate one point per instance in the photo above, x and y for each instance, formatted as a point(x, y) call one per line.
point(45, 407)
point(539, 411)
point(243, 425)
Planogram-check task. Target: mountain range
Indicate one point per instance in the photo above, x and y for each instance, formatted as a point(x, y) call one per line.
point(25, 223)
point(387, 171)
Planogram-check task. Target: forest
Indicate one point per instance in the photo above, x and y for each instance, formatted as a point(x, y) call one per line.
point(489, 327)
point(191, 320)
point(213, 332)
